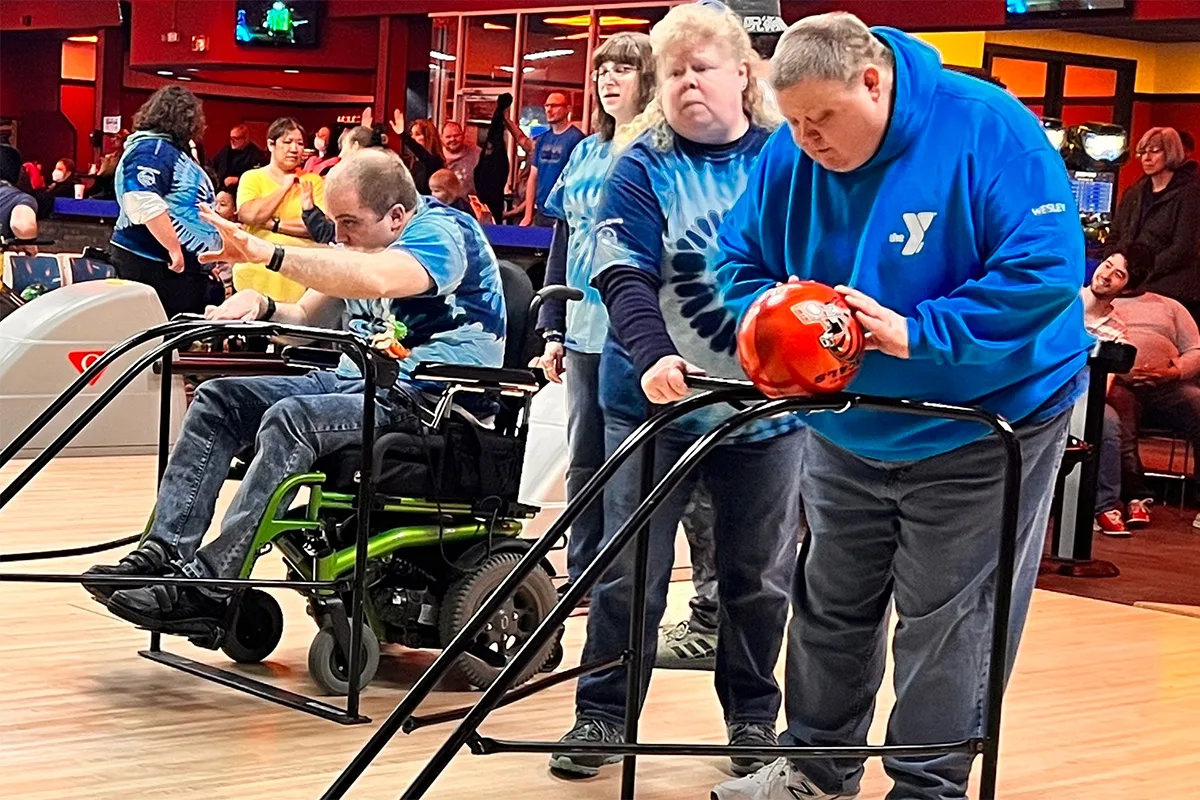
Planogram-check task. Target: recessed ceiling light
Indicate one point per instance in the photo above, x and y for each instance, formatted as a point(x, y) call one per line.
point(277, 87)
point(492, 26)
point(183, 78)
point(548, 54)
point(88, 39)
point(165, 72)
point(292, 71)
point(192, 69)
point(441, 56)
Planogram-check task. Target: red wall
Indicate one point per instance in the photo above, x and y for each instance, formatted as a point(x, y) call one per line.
point(344, 43)
point(29, 91)
point(73, 14)
point(78, 105)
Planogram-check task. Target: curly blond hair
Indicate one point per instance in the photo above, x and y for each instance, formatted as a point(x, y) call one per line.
point(694, 25)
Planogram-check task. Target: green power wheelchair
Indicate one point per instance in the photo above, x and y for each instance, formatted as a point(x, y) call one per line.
point(443, 521)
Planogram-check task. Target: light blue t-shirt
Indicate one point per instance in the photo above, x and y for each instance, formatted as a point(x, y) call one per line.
point(462, 318)
point(660, 214)
point(575, 199)
point(152, 164)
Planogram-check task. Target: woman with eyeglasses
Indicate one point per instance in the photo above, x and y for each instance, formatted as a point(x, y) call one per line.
point(1162, 212)
point(623, 83)
point(655, 251)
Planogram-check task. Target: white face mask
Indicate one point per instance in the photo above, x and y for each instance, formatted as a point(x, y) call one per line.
point(319, 144)
point(58, 175)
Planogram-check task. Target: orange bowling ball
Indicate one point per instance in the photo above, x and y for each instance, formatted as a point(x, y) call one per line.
point(800, 338)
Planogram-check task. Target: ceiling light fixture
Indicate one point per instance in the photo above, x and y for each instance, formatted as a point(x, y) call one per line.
point(585, 20)
point(492, 26)
point(87, 39)
point(292, 71)
point(441, 56)
point(525, 70)
point(571, 36)
point(165, 72)
point(192, 69)
point(183, 78)
point(543, 54)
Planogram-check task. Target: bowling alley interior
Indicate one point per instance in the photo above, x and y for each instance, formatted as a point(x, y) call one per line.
point(207, 208)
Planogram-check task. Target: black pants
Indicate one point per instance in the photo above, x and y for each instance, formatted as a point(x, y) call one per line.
point(187, 292)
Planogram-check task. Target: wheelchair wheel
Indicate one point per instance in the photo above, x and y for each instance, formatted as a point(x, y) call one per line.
point(508, 629)
point(329, 667)
point(257, 630)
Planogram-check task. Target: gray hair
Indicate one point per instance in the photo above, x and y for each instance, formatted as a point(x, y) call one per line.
point(835, 47)
point(379, 179)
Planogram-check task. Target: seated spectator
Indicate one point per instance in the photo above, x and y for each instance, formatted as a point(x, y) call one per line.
point(32, 179)
point(1161, 389)
point(102, 187)
point(237, 157)
point(1120, 273)
point(1189, 147)
point(1162, 211)
point(325, 158)
point(18, 210)
point(445, 187)
point(320, 227)
point(226, 205)
point(63, 179)
point(269, 201)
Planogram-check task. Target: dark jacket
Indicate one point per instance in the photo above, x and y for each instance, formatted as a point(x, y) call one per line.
point(1168, 222)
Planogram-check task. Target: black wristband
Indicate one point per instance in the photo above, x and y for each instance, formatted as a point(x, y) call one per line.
point(275, 225)
point(276, 259)
point(552, 336)
point(270, 312)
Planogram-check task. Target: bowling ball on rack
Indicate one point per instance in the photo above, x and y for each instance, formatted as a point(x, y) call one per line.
point(800, 338)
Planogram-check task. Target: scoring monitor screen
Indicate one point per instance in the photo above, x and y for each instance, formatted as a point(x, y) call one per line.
point(1093, 191)
point(277, 23)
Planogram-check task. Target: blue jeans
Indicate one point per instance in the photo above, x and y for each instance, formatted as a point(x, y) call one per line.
point(756, 508)
point(290, 421)
point(585, 455)
point(1108, 477)
point(923, 533)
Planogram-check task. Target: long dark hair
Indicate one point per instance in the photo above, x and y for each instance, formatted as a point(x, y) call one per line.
point(630, 48)
point(173, 111)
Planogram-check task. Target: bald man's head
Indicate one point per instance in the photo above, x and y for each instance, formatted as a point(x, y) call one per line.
point(557, 108)
point(370, 198)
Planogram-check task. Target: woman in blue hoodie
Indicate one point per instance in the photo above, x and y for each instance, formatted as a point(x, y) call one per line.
point(936, 203)
point(655, 248)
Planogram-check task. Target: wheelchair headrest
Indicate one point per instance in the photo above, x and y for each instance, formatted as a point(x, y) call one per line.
point(518, 294)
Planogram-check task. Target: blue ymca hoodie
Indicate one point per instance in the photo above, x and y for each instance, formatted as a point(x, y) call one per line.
point(964, 223)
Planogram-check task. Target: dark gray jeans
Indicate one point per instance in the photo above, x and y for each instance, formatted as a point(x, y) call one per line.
point(924, 534)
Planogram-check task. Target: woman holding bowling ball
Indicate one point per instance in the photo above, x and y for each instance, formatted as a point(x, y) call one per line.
point(655, 247)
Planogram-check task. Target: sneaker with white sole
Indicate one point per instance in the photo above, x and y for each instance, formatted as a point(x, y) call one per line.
point(1111, 523)
point(680, 647)
point(574, 766)
point(1138, 515)
point(776, 781)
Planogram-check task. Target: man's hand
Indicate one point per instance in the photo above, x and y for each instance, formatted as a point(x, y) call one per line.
point(886, 331)
point(550, 362)
point(666, 382)
point(176, 264)
point(398, 122)
point(306, 195)
point(237, 246)
point(1154, 376)
point(245, 306)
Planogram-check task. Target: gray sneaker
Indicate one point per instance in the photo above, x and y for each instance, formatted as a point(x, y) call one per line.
point(749, 734)
point(680, 647)
point(593, 731)
point(776, 781)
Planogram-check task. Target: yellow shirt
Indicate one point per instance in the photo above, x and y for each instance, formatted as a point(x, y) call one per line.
point(258, 183)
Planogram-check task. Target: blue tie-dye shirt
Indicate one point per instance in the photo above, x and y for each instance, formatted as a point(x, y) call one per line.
point(153, 164)
point(461, 320)
point(574, 199)
point(660, 213)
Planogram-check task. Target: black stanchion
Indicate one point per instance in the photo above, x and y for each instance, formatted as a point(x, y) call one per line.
point(721, 391)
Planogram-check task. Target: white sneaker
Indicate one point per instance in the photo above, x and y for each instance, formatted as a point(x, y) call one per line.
point(776, 781)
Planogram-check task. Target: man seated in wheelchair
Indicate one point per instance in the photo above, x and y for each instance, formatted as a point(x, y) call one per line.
point(404, 259)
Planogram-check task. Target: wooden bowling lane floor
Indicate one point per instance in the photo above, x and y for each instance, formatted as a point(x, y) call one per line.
point(1105, 701)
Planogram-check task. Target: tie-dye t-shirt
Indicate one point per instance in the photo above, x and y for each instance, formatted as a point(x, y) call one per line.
point(153, 165)
point(574, 199)
point(461, 320)
point(660, 213)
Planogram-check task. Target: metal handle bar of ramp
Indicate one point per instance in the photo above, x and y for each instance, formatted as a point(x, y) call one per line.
point(183, 330)
point(716, 391)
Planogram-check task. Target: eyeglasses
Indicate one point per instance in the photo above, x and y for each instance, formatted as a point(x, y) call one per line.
point(1149, 151)
point(616, 71)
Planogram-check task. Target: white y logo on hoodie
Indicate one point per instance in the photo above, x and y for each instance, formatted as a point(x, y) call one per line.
point(917, 223)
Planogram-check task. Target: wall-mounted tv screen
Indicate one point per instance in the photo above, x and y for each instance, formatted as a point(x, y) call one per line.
point(277, 23)
point(1065, 7)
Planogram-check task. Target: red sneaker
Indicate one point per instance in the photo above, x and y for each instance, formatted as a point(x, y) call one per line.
point(1110, 523)
point(1139, 514)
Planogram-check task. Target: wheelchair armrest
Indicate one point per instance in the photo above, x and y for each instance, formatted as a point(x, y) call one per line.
point(523, 380)
point(387, 370)
point(312, 357)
